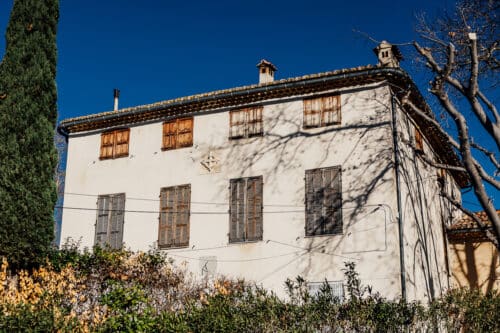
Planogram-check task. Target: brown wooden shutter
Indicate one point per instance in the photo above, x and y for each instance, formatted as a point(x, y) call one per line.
point(184, 132)
point(254, 208)
point(116, 221)
point(254, 118)
point(101, 229)
point(237, 210)
point(314, 202)
point(121, 142)
point(419, 141)
point(330, 110)
point(312, 112)
point(169, 135)
point(107, 145)
point(237, 124)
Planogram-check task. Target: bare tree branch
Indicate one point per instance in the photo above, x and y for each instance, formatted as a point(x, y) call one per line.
point(474, 217)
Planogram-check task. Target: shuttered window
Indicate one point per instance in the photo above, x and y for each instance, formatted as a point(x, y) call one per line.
point(110, 216)
point(419, 141)
point(175, 204)
point(322, 111)
point(177, 133)
point(114, 144)
point(245, 123)
point(245, 211)
point(323, 201)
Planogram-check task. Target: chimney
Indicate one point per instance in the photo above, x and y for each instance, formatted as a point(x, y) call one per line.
point(388, 54)
point(116, 94)
point(266, 71)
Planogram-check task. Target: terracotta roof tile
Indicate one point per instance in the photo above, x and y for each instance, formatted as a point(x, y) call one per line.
point(466, 222)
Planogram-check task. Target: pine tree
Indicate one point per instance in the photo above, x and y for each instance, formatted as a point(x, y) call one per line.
point(28, 114)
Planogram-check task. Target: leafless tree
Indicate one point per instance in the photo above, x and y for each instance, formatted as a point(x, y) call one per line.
point(461, 52)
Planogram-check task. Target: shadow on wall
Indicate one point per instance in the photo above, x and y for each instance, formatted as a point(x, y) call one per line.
point(475, 265)
point(361, 145)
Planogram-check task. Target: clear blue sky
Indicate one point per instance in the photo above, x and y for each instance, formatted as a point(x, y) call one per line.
point(154, 50)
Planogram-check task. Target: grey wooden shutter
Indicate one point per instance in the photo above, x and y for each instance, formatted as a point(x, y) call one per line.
point(162, 228)
point(117, 217)
point(170, 210)
point(101, 228)
point(314, 202)
point(183, 200)
point(237, 210)
point(254, 208)
point(332, 201)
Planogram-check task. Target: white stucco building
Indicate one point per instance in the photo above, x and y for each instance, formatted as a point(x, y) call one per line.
point(273, 180)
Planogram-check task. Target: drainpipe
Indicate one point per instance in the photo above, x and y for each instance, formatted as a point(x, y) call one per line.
point(398, 193)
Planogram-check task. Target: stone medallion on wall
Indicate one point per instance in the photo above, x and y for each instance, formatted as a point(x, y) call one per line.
point(210, 163)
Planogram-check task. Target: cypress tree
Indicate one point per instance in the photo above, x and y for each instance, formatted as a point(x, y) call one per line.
point(28, 115)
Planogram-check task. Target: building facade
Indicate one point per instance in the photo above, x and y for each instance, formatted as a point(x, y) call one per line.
point(274, 180)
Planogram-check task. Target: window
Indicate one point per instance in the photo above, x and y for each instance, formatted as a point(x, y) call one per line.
point(322, 111)
point(336, 288)
point(174, 216)
point(177, 133)
point(419, 141)
point(245, 123)
point(245, 211)
point(109, 226)
point(323, 201)
point(114, 143)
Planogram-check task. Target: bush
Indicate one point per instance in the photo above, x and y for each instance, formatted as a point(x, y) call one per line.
point(122, 291)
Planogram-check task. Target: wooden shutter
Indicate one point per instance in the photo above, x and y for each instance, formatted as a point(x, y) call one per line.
point(237, 210)
point(322, 111)
point(121, 142)
point(169, 135)
point(167, 219)
point(115, 239)
point(314, 202)
point(183, 196)
point(175, 205)
point(332, 220)
point(312, 112)
point(237, 124)
point(184, 132)
point(330, 106)
point(101, 228)
point(254, 119)
point(107, 145)
point(253, 209)
point(114, 143)
point(419, 141)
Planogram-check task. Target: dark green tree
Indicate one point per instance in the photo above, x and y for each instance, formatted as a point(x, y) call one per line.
point(28, 114)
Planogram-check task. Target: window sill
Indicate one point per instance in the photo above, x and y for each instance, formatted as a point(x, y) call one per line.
point(244, 242)
point(176, 148)
point(173, 247)
point(325, 235)
point(111, 158)
point(306, 127)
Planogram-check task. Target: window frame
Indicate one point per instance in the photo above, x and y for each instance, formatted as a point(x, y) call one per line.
point(239, 208)
point(309, 111)
point(252, 122)
point(114, 144)
point(111, 214)
point(177, 133)
point(330, 217)
point(174, 217)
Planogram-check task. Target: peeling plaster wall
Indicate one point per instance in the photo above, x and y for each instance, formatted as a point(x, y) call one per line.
point(362, 145)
